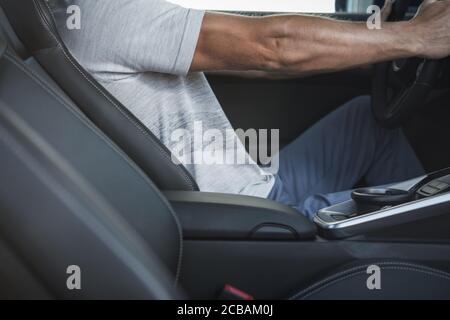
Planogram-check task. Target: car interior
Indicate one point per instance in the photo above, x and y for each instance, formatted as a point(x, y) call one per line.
point(84, 182)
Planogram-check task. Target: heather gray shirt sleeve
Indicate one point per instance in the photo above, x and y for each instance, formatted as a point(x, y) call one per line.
point(138, 36)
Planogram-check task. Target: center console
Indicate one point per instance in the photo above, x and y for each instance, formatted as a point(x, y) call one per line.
point(239, 240)
point(410, 203)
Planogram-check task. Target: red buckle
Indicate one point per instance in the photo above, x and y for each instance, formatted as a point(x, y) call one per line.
point(232, 293)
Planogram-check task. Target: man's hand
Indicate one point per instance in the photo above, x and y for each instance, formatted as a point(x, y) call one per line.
point(294, 45)
point(431, 25)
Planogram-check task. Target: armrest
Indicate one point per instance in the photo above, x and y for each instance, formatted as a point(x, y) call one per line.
point(234, 217)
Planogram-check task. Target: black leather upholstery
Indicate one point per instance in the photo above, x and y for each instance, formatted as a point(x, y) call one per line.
point(11, 37)
point(59, 225)
point(89, 168)
point(33, 22)
point(398, 280)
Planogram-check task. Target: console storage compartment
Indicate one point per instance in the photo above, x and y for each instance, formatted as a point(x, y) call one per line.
point(234, 217)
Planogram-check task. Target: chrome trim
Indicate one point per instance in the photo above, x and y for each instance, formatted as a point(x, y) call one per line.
point(409, 184)
point(384, 213)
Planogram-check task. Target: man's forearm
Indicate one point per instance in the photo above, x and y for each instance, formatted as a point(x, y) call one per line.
point(302, 44)
point(294, 44)
point(299, 45)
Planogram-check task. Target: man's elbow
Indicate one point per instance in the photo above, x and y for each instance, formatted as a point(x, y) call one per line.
point(277, 53)
point(272, 57)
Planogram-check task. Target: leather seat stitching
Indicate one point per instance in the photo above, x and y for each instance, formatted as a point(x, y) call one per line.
point(350, 273)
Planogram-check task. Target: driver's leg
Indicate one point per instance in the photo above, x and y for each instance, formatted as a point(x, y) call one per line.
point(336, 153)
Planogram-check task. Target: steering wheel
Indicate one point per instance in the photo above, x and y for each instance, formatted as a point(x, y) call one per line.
point(402, 86)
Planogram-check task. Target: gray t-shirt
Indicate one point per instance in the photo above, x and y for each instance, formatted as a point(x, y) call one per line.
point(141, 52)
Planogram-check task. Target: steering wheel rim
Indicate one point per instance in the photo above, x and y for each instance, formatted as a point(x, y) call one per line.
point(391, 106)
point(402, 86)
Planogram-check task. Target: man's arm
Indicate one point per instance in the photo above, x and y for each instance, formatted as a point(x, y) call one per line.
point(299, 45)
point(255, 74)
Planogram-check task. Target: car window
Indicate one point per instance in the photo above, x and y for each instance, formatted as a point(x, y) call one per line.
point(305, 6)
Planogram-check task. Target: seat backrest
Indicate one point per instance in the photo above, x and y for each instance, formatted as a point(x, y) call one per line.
point(33, 22)
point(69, 195)
point(11, 37)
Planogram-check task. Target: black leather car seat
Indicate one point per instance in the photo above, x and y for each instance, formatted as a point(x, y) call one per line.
point(33, 23)
point(11, 37)
point(69, 195)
